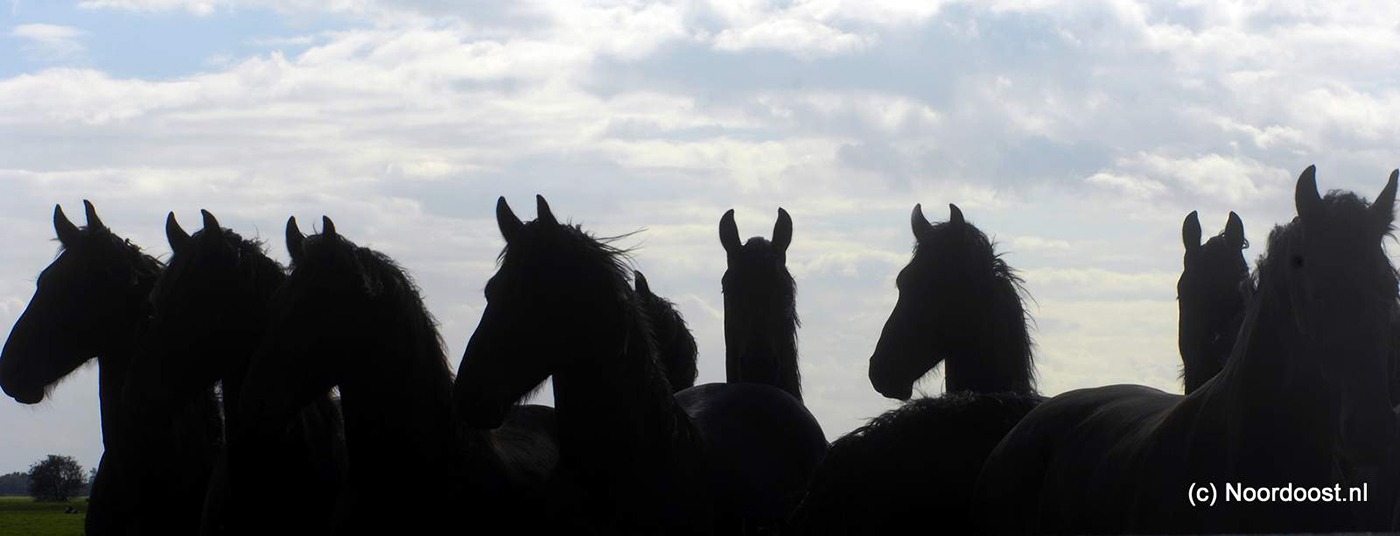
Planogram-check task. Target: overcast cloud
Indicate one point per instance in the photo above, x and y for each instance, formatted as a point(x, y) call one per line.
point(1077, 133)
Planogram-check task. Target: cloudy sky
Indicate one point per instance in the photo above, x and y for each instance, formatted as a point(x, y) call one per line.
point(1077, 133)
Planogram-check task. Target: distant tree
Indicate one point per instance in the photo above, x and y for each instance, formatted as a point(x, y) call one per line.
point(56, 478)
point(15, 483)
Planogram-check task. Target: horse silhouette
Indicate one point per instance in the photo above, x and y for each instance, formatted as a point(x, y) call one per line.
point(635, 458)
point(675, 345)
point(348, 316)
point(760, 308)
point(1211, 298)
point(211, 312)
point(961, 305)
point(1302, 402)
point(92, 301)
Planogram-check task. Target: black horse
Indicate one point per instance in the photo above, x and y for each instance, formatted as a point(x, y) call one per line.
point(636, 459)
point(348, 316)
point(959, 304)
point(211, 312)
point(760, 308)
point(675, 345)
point(1302, 403)
point(1211, 298)
point(93, 301)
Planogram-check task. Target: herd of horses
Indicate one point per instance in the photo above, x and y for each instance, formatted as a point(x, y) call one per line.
point(241, 396)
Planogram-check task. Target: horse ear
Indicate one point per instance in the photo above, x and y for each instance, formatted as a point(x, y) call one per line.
point(542, 211)
point(729, 233)
point(175, 235)
point(642, 286)
point(1191, 232)
point(1305, 197)
point(955, 216)
point(212, 230)
point(1234, 231)
point(782, 231)
point(67, 232)
point(327, 226)
point(93, 222)
point(918, 222)
point(505, 219)
point(295, 240)
point(1384, 206)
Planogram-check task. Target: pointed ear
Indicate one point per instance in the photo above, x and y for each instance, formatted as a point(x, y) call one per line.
point(955, 215)
point(93, 222)
point(1234, 231)
point(67, 232)
point(327, 226)
point(918, 222)
point(212, 230)
point(1384, 205)
point(642, 286)
point(177, 237)
point(295, 240)
point(1305, 197)
point(510, 225)
point(1191, 232)
point(782, 231)
point(542, 211)
point(729, 233)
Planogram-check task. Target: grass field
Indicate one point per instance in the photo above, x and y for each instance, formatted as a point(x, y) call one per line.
point(21, 516)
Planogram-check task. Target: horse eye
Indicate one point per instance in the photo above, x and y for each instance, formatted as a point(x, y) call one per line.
point(1297, 261)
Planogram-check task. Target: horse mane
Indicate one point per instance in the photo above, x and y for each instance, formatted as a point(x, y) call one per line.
point(384, 282)
point(142, 265)
point(678, 351)
point(265, 274)
point(977, 261)
point(613, 269)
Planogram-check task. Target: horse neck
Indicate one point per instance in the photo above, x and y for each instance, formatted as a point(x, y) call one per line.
point(114, 363)
point(616, 411)
point(996, 359)
point(1261, 409)
point(1197, 364)
point(398, 417)
point(769, 355)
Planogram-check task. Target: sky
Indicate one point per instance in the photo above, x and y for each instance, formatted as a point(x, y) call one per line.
point(1078, 134)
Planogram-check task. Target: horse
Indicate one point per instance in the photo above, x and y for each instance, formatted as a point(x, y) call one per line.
point(92, 301)
point(348, 316)
point(724, 457)
point(211, 312)
point(959, 304)
point(1211, 298)
point(675, 345)
point(760, 307)
point(1302, 404)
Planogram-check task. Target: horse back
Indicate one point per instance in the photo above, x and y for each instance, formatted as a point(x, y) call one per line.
point(1064, 467)
point(761, 445)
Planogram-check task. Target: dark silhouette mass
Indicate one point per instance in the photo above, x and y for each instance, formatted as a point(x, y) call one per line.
point(92, 301)
point(1211, 297)
point(960, 305)
point(239, 396)
point(1302, 402)
point(675, 346)
point(351, 318)
point(760, 308)
point(715, 458)
point(211, 312)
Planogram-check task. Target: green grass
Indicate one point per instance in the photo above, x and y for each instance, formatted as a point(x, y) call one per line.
point(21, 516)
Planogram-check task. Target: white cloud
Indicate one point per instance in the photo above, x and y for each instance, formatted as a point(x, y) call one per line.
point(50, 42)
